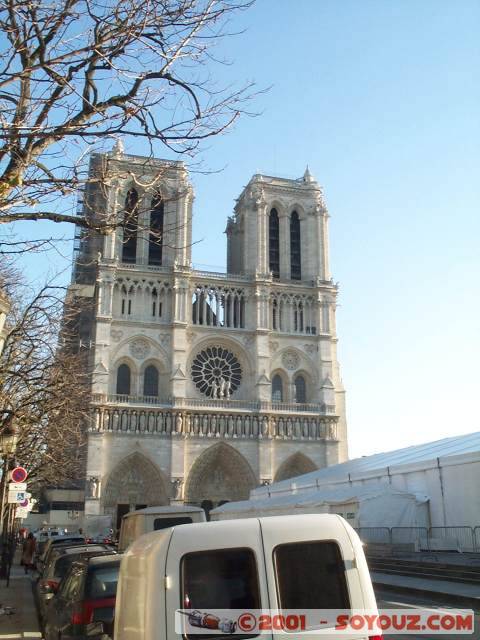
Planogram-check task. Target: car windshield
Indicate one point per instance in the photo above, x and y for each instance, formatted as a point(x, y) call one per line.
point(102, 581)
point(63, 563)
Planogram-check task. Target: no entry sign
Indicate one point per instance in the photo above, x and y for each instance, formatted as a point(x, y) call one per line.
point(19, 474)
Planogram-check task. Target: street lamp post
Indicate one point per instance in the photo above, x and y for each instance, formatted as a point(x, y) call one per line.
point(8, 446)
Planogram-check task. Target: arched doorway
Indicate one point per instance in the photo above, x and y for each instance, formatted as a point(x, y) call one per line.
point(296, 465)
point(219, 474)
point(134, 483)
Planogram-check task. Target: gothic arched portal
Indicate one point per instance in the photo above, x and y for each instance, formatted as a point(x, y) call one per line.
point(219, 474)
point(133, 484)
point(296, 465)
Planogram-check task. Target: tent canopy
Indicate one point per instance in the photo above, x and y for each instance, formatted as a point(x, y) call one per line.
point(379, 462)
point(378, 505)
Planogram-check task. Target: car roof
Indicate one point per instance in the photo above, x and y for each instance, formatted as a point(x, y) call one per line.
point(170, 509)
point(65, 539)
point(105, 560)
point(99, 560)
point(64, 551)
point(86, 555)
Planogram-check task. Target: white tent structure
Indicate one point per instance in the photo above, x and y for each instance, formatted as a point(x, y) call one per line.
point(361, 506)
point(435, 484)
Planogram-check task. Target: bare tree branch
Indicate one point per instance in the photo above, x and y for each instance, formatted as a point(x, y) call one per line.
point(44, 388)
point(74, 73)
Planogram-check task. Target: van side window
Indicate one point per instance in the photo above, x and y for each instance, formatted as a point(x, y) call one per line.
point(310, 575)
point(164, 523)
point(220, 579)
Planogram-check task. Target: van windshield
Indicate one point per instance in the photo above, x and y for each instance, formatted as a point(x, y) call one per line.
point(164, 523)
point(310, 575)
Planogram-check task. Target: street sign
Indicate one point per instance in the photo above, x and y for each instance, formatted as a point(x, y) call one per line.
point(16, 496)
point(19, 474)
point(20, 512)
point(24, 503)
point(17, 486)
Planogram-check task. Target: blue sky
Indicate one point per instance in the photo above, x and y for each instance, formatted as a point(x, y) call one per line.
point(381, 99)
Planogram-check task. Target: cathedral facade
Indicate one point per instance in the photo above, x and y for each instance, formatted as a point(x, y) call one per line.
point(205, 385)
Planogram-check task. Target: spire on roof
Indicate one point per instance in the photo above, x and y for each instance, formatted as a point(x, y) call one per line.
point(118, 149)
point(307, 176)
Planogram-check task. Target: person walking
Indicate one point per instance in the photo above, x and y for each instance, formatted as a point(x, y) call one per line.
point(28, 550)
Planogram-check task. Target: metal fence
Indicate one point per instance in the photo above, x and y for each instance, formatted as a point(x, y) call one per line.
point(476, 537)
point(425, 539)
point(462, 537)
point(410, 535)
point(375, 534)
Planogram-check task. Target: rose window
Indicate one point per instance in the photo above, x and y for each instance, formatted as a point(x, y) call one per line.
point(216, 372)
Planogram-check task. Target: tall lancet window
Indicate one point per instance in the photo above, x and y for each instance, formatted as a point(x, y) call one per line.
point(155, 243)
point(123, 380)
point(274, 243)
point(277, 389)
point(300, 390)
point(150, 381)
point(295, 251)
point(130, 228)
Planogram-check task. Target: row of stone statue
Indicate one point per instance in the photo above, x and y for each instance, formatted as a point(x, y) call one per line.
point(221, 388)
point(214, 425)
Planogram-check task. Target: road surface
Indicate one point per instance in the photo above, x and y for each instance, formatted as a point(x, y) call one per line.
point(391, 600)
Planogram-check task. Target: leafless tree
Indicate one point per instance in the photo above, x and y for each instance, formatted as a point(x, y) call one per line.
point(75, 72)
point(43, 384)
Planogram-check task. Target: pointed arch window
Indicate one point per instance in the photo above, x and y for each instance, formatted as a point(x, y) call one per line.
point(130, 228)
point(300, 390)
point(150, 381)
point(295, 249)
point(277, 389)
point(155, 241)
point(274, 243)
point(123, 380)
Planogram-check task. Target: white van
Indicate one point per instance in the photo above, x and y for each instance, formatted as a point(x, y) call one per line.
point(313, 561)
point(136, 523)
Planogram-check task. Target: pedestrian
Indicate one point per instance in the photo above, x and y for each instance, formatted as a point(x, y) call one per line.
point(28, 549)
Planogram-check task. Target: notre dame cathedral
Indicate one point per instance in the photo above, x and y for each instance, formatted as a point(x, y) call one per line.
point(204, 385)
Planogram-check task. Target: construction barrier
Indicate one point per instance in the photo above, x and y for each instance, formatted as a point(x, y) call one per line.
point(463, 539)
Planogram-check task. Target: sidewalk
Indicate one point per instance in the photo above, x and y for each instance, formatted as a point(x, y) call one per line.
point(23, 623)
point(458, 593)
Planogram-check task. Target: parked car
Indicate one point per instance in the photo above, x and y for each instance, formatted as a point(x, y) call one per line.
point(60, 561)
point(43, 554)
point(85, 600)
point(279, 563)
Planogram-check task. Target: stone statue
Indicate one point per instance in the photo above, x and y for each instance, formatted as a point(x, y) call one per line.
point(264, 426)
point(93, 487)
point(177, 488)
point(214, 389)
point(205, 424)
point(178, 423)
point(228, 388)
point(195, 424)
point(168, 423)
point(222, 388)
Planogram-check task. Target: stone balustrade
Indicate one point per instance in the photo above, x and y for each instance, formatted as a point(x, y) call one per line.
point(217, 404)
point(212, 425)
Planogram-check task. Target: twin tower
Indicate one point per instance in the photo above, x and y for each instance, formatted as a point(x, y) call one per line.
point(205, 385)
